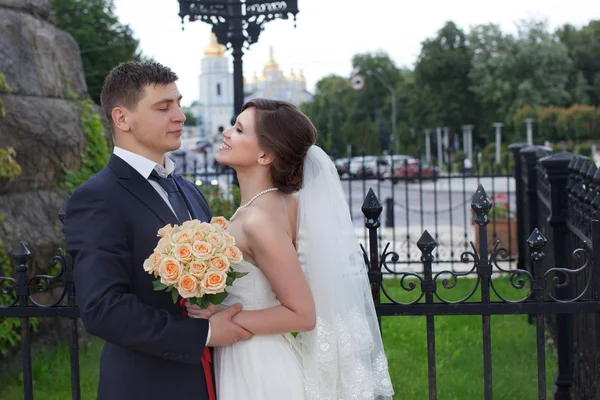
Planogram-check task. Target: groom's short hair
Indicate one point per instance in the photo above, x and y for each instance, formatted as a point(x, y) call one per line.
point(124, 84)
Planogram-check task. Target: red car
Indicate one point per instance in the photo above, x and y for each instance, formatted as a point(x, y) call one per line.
point(413, 169)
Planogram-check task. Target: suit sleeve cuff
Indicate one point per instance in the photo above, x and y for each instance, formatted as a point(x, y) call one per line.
point(208, 334)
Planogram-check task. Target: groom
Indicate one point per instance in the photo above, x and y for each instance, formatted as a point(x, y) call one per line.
point(150, 351)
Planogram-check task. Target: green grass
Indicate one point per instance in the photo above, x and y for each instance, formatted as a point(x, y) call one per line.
point(459, 354)
point(459, 357)
point(52, 375)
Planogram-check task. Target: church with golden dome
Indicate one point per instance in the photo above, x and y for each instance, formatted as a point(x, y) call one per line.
point(216, 87)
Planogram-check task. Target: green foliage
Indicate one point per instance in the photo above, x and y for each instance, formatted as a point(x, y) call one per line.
point(9, 168)
point(103, 41)
point(222, 203)
point(96, 151)
point(190, 119)
point(577, 122)
point(4, 88)
point(459, 159)
point(585, 150)
point(10, 335)
point(477, 77)
point(442, 74)
point(584, 49)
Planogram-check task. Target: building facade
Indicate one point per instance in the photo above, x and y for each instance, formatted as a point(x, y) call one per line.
point(216, 90)
point(215, 107)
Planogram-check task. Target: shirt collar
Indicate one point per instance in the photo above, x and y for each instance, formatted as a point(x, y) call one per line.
point(143, 165)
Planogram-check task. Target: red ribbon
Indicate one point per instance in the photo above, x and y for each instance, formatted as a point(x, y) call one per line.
point(206, 360)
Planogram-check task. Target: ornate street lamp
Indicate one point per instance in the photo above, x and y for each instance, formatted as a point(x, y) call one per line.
point(237, 24)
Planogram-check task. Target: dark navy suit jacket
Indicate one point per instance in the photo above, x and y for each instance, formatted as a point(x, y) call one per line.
point(151, 351)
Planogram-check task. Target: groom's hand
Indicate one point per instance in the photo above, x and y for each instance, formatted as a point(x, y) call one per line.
point(223, 331)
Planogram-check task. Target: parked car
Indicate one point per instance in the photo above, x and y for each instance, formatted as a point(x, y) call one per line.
point(342, 165)
point(412, 169)
point(368, 167)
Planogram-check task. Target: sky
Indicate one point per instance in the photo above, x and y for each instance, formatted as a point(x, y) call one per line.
point(329, 32)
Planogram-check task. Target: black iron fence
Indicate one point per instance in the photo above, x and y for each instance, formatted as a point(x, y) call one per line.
point(561, 196)
point(557, 203)
point(567, 287)
point(416, 194)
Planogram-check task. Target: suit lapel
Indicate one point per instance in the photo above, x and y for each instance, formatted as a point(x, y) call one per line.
point(138, 186)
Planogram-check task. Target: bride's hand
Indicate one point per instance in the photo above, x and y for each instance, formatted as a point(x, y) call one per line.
point(196, 312)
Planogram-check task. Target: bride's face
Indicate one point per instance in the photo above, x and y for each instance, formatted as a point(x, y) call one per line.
point(240, 146)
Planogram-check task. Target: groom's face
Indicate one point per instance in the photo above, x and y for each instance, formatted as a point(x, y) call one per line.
point(157, 121)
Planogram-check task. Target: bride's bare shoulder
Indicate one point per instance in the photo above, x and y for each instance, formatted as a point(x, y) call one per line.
point(273, 214)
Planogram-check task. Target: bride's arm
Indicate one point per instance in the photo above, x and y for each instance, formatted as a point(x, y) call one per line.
point(272, 249)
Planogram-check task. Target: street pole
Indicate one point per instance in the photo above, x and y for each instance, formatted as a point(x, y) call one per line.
point(237, 23)
point(393, 93)
point(237, 40)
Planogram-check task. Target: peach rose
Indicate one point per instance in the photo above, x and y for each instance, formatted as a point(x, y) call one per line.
point(233, 254)
point(198, 235)
point(219, 222)
point(153, 262)
point(198, 268)
point(220, 263)
point(215, 240)
point(188, 286)
point(229, 240)
point(165, 230)
point(214, 282)
point(189, 225)
point(183, 236)
point(164, 245)
point(202, 250)
point(183, 252)
point(170, 271)
point(204, 227)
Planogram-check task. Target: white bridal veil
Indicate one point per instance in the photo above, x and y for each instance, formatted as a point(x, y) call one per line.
point(343, 356)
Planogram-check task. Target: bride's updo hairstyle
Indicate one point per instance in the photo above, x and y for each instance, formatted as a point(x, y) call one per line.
point(285, 133)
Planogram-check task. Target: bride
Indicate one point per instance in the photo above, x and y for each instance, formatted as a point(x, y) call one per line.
point(306, 273)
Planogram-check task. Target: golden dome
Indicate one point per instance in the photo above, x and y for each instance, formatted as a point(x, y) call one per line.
point(214, 49)
point(301, 78)
point(292, 75)
point(271, 65)
point(255, 78)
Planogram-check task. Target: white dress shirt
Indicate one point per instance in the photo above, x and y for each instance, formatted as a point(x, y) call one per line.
point(144, 167)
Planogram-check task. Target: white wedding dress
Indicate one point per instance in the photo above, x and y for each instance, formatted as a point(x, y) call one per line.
point(343, 357)
point(266, 367)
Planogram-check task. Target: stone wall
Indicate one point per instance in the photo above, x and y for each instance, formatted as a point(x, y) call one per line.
point(40, 62)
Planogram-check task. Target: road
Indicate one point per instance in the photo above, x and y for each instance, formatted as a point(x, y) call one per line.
point(446, 202)
point(442, 207)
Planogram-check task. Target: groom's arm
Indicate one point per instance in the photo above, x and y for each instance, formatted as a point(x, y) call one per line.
point(97, 240)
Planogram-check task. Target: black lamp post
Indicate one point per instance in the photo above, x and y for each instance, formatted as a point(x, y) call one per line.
point(237, 24)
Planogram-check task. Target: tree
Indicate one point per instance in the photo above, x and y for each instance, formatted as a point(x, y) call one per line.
point(492, 50)
point(531, 69)
point(442, 78)
point(584, 48)
point(329, 110)
point(103, 41)
point(190, 119)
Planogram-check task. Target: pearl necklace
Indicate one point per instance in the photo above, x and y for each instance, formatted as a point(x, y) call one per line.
point(251, 200)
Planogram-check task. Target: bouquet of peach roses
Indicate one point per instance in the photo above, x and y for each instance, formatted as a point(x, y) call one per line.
point(194, 261)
